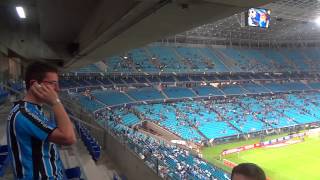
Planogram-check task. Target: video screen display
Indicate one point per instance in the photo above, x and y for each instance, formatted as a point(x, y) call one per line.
point(258, 17)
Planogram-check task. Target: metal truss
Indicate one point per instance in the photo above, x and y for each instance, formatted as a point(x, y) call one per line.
point(292, 24)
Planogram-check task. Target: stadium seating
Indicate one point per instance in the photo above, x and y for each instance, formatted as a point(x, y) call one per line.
point(82, 82)
point(73, 173)
point(296, 86)
point(3, 94)
point(241, 61)
point(89, 69)
point(194, 58)
point(178, 92)
point(94, 82)
point(278, 60)
point(117, 80)
point(156, 58)
point(207, 91)
point(297, 58)
point(128, 79)
point(142, 61)
point(257, 56)
point(117, 64)
point(168, 59)
point(89, 104)
point(255, 88)
point(314, 85)
point(127, 118)
point(111, 97)
point(166, 79)
point(4, 159)
point(169, 157)
point(17, 86)
point(233, 90)
point(91, 144)
point(145, 94)
point(68, 83)
point(182, 78)
point(105, 81)
point(153, 79)
point(218, 65)
point(196, 78)
point(141, 79)
point(250, 97)
point(276, 87)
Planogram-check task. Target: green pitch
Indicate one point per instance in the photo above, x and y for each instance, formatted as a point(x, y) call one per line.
point(293, 162)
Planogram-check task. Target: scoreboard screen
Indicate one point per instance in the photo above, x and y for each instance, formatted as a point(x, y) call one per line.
point(258, 17)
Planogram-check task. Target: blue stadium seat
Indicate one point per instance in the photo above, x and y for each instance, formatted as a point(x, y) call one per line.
point(143, 94)
point(73, 173)
point(178, 92)
point(4, 159)
point(92, 145)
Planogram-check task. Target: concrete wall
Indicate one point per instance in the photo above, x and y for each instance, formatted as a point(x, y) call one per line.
point(15, 68)
point(4, 67)
point(10, 68)
point(160, 131)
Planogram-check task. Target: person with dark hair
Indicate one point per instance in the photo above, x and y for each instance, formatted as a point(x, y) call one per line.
point(247, 171)
point(31, 136)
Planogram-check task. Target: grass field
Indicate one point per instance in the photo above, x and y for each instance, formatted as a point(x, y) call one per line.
point(293, 162)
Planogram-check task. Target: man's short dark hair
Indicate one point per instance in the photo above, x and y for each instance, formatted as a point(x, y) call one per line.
point(249, 170)
point(37, 71)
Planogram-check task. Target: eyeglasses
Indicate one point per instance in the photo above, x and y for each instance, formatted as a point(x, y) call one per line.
point(53, 83)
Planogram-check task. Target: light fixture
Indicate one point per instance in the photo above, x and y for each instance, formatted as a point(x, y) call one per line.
point(21, 12)
point(317, 21)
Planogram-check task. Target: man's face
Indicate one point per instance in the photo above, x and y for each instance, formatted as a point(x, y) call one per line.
point(52, 80)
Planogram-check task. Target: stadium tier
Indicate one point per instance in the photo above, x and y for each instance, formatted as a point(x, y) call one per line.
point(208, 91)
point(186, 59)
point(111, 97)
point(205, 120)
point(145, 94)
point(210, 119)
point(89, 69)
point(178, 92)
point(88, 103)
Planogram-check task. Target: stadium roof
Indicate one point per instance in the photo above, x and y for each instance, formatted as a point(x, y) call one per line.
point(292, 22)
point(74, 33)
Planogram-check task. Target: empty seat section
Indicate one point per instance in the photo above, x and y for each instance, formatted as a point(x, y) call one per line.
point(145, 94)
point(178, 92)
point(111, 97)
point(208, 91)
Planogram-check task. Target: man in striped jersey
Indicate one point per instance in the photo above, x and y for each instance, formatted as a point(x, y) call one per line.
point(32, 137)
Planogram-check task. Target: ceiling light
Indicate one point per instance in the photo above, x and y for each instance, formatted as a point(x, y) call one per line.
point(20, 12)
point(317, 21)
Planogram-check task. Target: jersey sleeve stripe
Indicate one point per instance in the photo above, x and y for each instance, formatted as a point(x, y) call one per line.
point(35, 119)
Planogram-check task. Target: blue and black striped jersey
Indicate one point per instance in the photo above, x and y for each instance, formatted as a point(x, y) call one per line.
point(32, 155)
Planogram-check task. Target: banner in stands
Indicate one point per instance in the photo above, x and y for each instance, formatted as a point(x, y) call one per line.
point(239, 149)
point(262, 144)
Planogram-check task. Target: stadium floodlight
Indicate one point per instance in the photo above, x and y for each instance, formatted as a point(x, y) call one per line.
point(21, 12)
point(318, 21)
